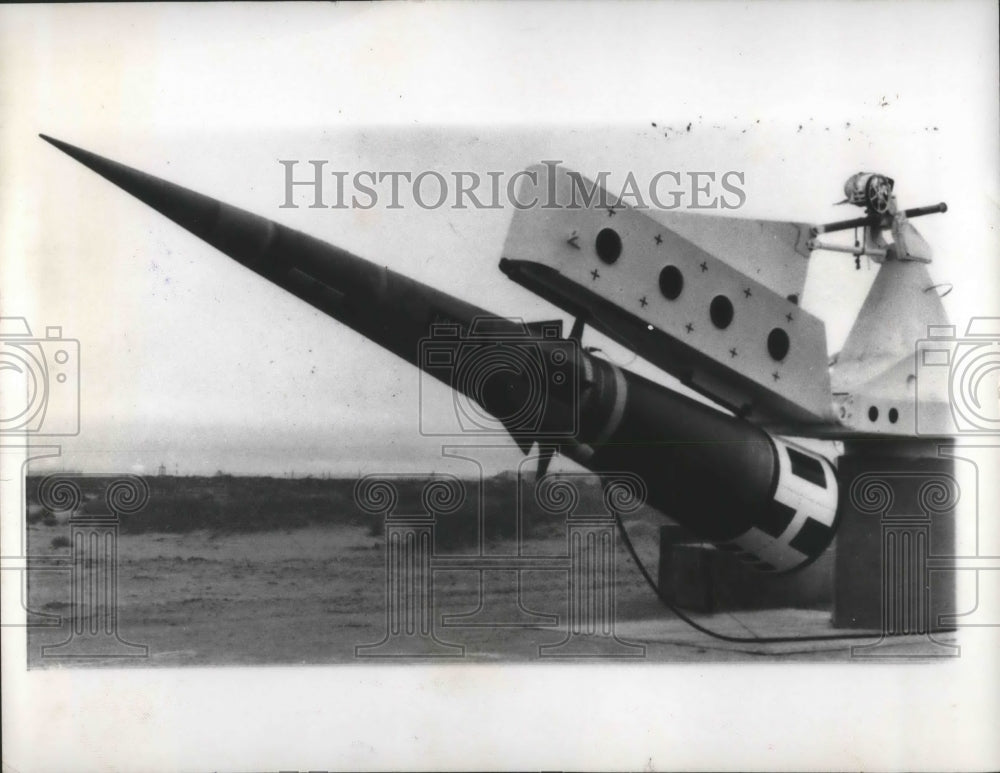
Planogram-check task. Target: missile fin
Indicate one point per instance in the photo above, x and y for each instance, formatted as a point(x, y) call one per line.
point(545, 459)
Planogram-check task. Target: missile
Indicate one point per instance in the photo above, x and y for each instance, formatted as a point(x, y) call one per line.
point(761, 497)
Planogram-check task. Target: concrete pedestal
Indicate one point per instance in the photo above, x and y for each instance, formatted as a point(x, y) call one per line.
point(701, 578)
point(898, 512)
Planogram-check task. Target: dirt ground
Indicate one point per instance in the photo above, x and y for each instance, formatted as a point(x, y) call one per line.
point(313, 595)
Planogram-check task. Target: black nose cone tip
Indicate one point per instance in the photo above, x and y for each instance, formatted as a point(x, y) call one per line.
point(70, 150)
point(93, 161)
point(53, 141)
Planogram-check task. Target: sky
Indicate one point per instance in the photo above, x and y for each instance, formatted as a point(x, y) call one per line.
point(190, 361)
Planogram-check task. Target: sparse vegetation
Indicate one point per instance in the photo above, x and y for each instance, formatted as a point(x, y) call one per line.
point(40, 516)
point(225, 504)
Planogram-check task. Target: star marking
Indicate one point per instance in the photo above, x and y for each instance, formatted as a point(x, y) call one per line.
point(704, 266)
point(658, 239)
point(643, 302)
point(746, 292)
point(689, 327)
point(611, 211)
point(595, 274)
point(732, 352)
point(789, 316)
point(775, 376)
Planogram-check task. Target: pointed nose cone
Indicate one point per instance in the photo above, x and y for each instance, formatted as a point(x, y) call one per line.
point(243, 236)
point(284, 256)
point(388, 308)
point(188, 209)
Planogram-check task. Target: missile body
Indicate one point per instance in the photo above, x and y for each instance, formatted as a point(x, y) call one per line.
point(772, 503)
point(726, 480)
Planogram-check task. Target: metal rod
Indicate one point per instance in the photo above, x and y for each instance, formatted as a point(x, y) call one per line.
point(876, 252)
point(872, 220)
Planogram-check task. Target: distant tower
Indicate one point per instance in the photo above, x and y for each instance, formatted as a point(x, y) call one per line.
point(162, 470)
